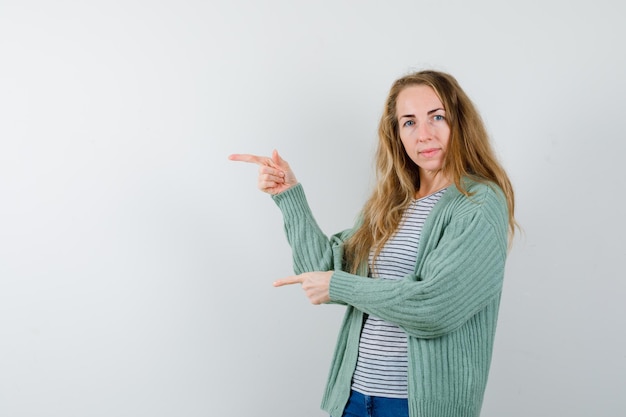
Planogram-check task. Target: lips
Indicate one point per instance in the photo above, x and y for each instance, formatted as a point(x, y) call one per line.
point(429, 153)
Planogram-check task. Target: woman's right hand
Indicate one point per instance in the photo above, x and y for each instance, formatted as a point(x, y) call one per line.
point(275, 175)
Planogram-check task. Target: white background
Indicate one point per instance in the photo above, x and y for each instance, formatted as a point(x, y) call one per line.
point(136, 261)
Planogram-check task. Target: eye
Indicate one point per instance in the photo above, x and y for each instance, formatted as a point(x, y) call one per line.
point(409, 123)
point(439, 117)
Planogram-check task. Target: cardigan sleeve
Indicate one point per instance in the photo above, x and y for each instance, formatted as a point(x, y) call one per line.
point(312, 250)
point(457, 276)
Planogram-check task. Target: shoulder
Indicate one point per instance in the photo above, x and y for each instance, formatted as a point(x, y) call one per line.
point(484, 192)
point(477, 197)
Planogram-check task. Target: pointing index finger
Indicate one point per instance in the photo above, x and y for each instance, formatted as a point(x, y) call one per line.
point(253, 159)
point(297, 279)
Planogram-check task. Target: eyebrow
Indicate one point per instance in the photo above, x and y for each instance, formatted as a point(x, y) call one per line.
point(428, 113)
point(435, 110)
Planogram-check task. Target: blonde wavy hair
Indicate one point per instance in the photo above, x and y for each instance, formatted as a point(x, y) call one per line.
point(469, 154)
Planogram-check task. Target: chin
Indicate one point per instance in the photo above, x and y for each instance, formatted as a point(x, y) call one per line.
point(431, 166)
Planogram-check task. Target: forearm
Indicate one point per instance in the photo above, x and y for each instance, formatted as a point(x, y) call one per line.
point(312, 249)
point(421, 309)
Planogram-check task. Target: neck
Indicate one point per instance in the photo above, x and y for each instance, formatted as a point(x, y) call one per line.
point(430, 184)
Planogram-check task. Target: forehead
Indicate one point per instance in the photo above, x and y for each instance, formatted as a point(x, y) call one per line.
point(417, 98)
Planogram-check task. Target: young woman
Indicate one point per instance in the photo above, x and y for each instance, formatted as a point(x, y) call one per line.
point(421, 272)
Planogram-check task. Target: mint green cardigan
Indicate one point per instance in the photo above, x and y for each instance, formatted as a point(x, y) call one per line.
point(448, 306)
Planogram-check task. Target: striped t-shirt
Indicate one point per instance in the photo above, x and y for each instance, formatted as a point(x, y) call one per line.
point(381, 368)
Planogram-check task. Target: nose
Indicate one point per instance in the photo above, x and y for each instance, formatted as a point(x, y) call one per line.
point(424, 131)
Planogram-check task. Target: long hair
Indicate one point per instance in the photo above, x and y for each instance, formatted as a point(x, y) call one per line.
point(469, 154)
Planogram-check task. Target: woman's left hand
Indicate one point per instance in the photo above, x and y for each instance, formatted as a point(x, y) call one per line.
point(315, 285)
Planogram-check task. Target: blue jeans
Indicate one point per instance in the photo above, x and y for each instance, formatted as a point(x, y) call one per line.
point(360, 405)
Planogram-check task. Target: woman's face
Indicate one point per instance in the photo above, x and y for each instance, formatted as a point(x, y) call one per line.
point(423, 127)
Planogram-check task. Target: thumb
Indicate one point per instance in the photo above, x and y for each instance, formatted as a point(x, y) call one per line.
point(277, 158)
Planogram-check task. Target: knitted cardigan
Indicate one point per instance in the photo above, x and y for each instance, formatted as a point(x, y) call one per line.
point(448, 306)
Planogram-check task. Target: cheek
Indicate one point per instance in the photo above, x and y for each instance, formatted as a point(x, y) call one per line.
point(406, 139)
point(409, 150)
point(406, 145)
point(444, 137)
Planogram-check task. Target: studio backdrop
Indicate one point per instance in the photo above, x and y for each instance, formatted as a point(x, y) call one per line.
point(136, 261)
